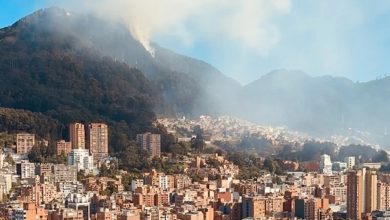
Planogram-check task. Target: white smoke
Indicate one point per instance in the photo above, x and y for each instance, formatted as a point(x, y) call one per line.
point(249, 22)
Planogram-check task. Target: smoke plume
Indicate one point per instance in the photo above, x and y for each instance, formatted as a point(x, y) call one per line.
point(248, 22)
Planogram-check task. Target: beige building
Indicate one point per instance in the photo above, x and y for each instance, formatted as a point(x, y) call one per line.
point(97, 140)
point(371, 195)
point(66, 213)
point(64, 173)
point(63, 147)
point(129, 215)
point(355, 194)
point(383, 198)
point(254, 207)
point(151, 143)
point(24, 143)
point(106, 214)
point(77, 135)
point(311, 207)
point(30, 212)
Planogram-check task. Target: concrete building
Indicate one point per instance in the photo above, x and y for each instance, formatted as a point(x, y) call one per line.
point(374, 166)
point(65, 173)
point(2, 158)
point(383, 200)
point(24, 143)
point(29, 212)
point(66, 213)
point(77, 135)
point(355, 194)
point(136, 183)
point(151, 143)
point(38, 193)
point(97, 140)
point(350, 162)
point(325, 164)
point(81, 158)
point(371, 195)
point(6, 182)
point(339, 166)
point(63, 147)
point(25, 169)
point(253, 207)
point(106, 214)
point(311, 209)
point(79, 202)
point(129, 215)
point(43, 168)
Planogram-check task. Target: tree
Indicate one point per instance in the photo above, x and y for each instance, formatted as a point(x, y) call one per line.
point(381, 156)
point(269, 164)
point(198, 143)
point(104, 171)
point(9, 159)
point(110, 190)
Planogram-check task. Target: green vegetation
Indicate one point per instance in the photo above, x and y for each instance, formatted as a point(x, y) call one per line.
point(311, 151)
point(56, 80)
point(45, 154)
point(9, 159)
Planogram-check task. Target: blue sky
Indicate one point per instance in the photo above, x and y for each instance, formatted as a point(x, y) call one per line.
point(340, 38)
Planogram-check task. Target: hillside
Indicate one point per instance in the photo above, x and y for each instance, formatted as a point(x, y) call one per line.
point(319, 105)
point(50, 71)
point(186, 86)
point(16, 120)
point(72, 66)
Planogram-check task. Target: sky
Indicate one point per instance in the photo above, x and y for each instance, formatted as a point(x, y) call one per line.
point(247, 39)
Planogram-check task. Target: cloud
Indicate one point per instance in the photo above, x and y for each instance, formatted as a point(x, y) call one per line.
point(246, 22)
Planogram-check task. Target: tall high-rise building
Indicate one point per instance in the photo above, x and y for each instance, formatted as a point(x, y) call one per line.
point(24, 143)
point(383, 198)
point(151, 143)
point(77, 135)
point(350, 162)
point(325, 164)
point(362, 192)
point(311, 209)
point(355, 194)
point(371, 195)
point(97, 140)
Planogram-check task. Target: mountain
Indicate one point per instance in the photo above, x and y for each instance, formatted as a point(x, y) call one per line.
point(186, 85)
point(47, 69)
point(318, 105)
point(71, 66)
point(75, 67)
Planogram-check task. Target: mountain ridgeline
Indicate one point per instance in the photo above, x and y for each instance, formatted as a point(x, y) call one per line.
point(71, 67)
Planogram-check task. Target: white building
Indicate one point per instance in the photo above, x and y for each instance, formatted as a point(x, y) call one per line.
point(325, 164)
point(2, 158)
point(164, 182)
point(25, 169)
point(339, 166)
point(350, 162)
point(81, 158)
point(6, 181)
